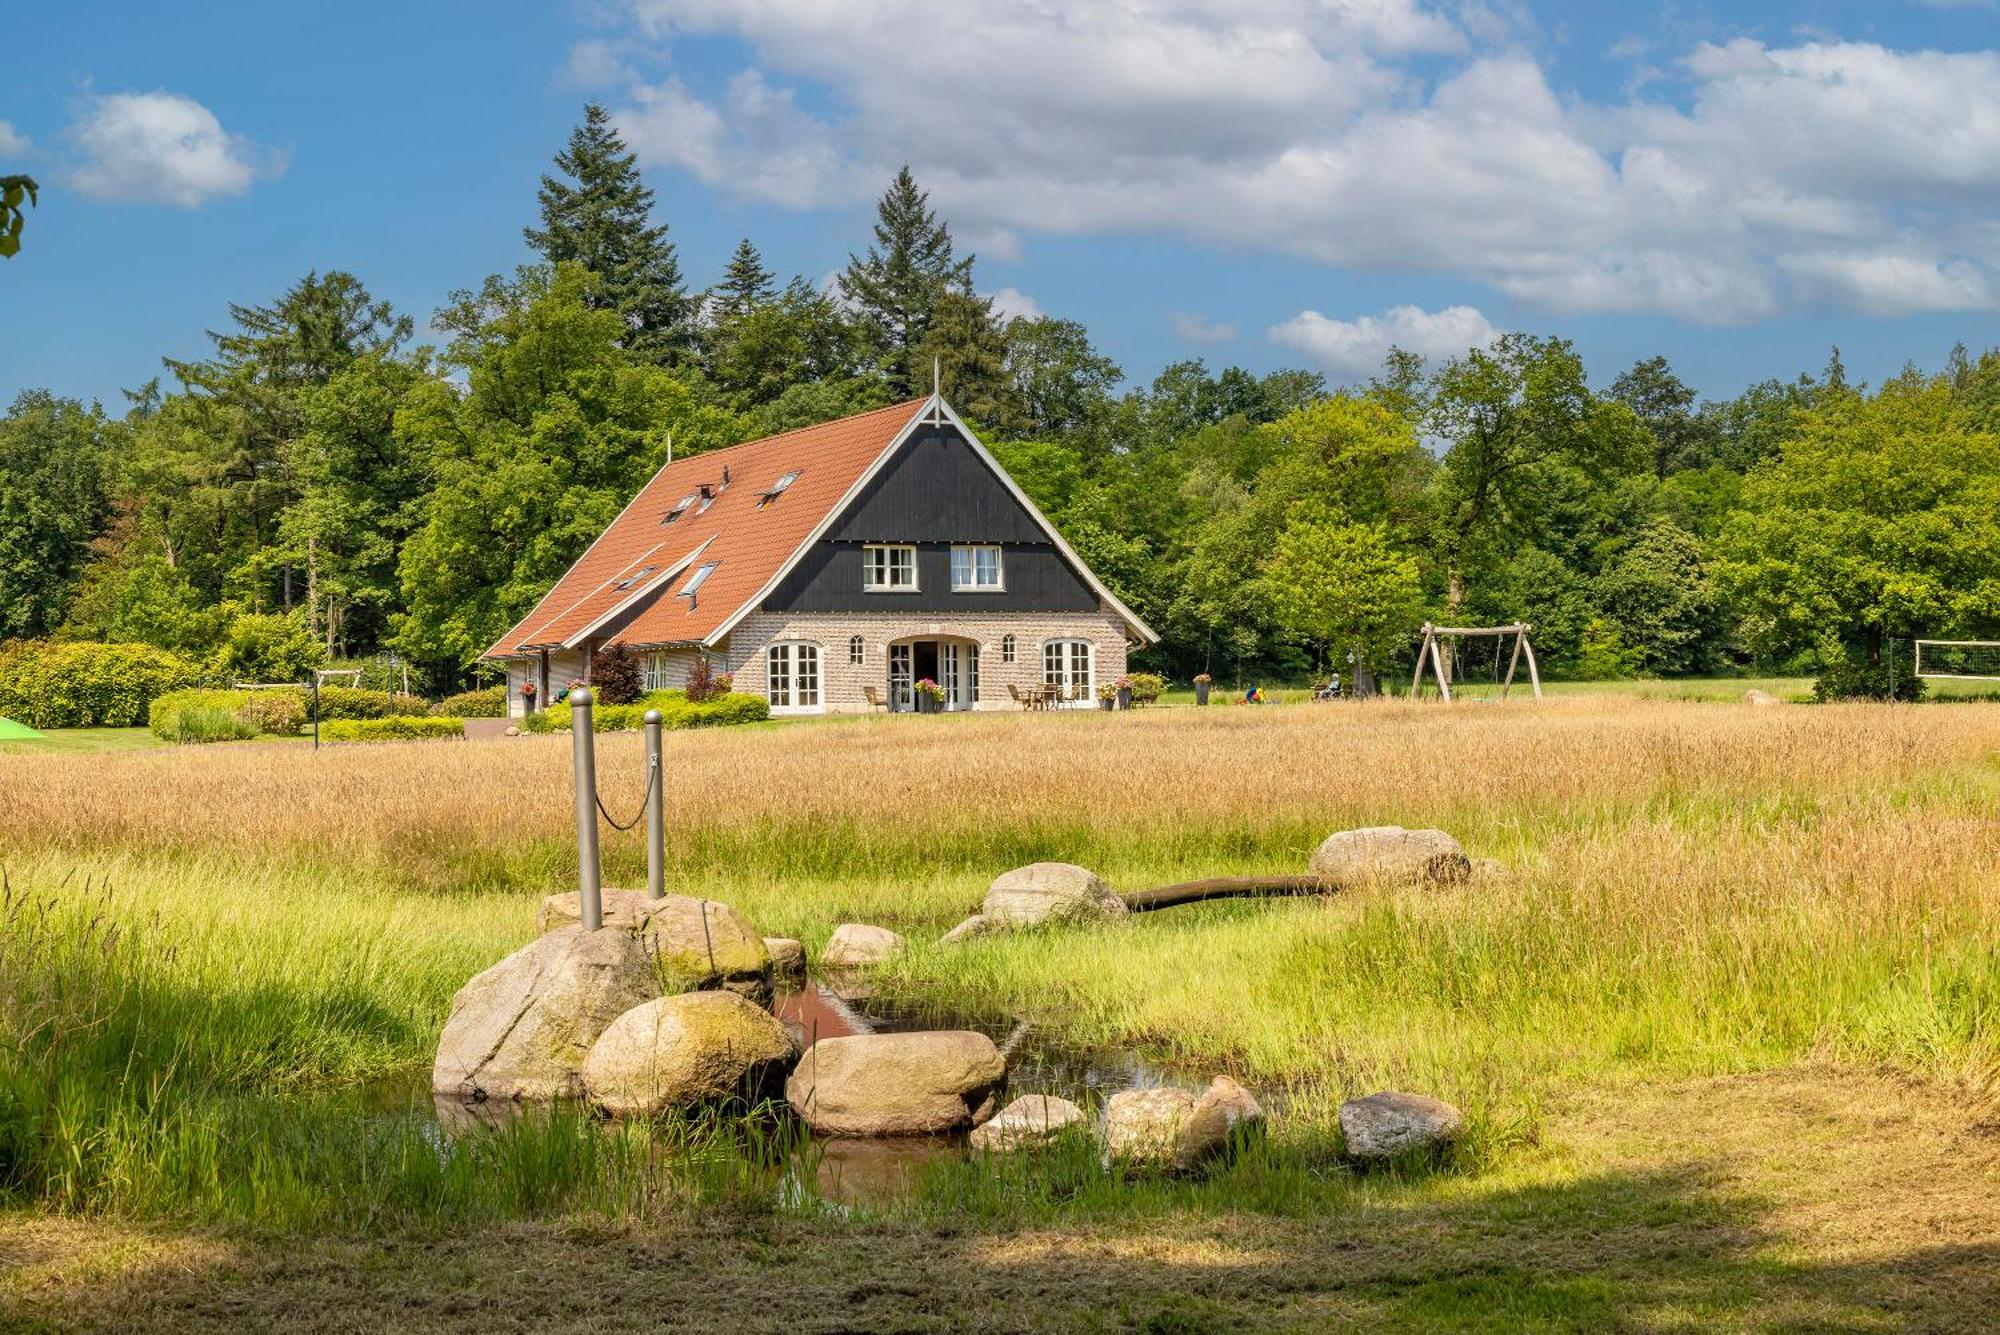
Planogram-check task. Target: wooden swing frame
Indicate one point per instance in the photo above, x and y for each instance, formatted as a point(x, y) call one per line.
point(1429, 652)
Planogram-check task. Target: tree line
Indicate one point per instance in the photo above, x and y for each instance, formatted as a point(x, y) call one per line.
point(320, 485)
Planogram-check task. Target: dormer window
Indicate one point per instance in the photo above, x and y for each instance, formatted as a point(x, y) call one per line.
point(680, 508)
point(777, 489)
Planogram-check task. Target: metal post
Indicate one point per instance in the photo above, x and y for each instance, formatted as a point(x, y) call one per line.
point(656, 811)
point(590, 890)
point(315, 686)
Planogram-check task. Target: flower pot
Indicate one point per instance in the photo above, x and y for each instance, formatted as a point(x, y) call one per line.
point(1124, 697)
point(1106, 702)
point(925, 704)
point(1201, 692)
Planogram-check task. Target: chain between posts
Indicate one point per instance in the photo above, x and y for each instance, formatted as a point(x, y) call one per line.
point(589, 806)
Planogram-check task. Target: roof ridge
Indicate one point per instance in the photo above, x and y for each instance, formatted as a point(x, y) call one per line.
point(904, 406)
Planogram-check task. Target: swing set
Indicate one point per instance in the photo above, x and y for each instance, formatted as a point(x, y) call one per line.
point(1429, 652)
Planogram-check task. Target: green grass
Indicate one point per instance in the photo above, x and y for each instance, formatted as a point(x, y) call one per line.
point(84, 741)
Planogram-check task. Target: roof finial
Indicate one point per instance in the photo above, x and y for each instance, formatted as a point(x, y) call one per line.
point(670, 445)
point(937, 379)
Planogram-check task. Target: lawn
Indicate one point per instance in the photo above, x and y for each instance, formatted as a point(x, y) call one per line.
point(1726, 1025)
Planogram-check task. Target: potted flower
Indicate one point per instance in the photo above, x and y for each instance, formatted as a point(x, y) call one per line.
point(930, 696)
point(1124, 685)
point(1107, 696)
point(1202, 681)
point(527, 697)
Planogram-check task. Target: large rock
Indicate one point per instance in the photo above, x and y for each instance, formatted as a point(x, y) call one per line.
point(977, 925)
point(1389, 853)
point(897, 1084)
point(522, 1029)
point(685, 1050)
point(1175, 1129)
point(697, 943)
point(856, 945)
point(1391, 1125)
point(1027, 1122)
point(1764, 698)
point(1045, 892)
point(788, 959)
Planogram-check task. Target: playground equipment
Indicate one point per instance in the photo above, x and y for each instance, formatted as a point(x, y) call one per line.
point(1429, 652)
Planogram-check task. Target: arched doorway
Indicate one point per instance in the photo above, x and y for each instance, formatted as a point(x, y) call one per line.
point(950, 661)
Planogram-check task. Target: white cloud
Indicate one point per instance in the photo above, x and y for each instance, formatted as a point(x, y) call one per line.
point(1747, 180)
point(12, 141)
point(1010, 303)
point(158, 148)
point(596, 63)
point(1199, 328)
point(1357, 347)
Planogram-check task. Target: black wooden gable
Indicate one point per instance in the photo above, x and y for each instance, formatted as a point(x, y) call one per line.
point(933, 493)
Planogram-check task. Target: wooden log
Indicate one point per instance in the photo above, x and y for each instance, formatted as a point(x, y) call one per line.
point(1225, 887)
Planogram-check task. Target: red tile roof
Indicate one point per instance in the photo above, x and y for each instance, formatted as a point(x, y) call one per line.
point(747, 545)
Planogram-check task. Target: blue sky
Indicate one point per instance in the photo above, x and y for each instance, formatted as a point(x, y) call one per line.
point(1264, 182)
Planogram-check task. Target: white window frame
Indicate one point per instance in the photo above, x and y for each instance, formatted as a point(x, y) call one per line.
point(884, 553)
point(796, 688)
point(1066, 649)
point(1007, 644)
point(655, 672)
point(973, 583)
point(857, 651)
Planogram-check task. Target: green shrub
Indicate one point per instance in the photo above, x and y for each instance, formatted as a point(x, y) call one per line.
point(396, 728)
point(267, 647)
point(1846, 674)
point(86, 684)
point(187, 716)
point(343, 702)
point(1147, 687)
point(486, 702)
point(676, 711)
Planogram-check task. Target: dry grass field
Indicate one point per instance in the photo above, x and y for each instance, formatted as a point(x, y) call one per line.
point(1727, 1025)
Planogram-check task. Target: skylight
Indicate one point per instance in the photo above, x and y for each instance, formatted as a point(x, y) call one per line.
point(632, 579)
point(777, 488)
point(679, 506)
point(699, 577)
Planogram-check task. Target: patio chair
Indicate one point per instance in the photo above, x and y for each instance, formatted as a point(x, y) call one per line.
point(875, 697)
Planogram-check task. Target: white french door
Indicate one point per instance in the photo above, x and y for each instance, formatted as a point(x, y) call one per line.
point(958, 673)
point(792, 680)
point(902, 679)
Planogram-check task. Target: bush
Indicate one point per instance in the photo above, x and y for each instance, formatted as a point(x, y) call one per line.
point(267, 647)
point(702, 683)
point(1147, 687)
point(616, 676)
point(85, 684)
point(192, 716)
point(676, 711)
point(396, 728)
point(1846, 674)
point(345, 702)
point(486, 702)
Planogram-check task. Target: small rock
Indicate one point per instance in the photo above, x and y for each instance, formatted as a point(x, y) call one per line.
point(1174, 1129)
point(1390, 1125)
point(1756, 697)
point(977, 925)
point(1045, 892)
point(1487, 870)
point(697, 943)
point(856, 945)
point(522, 1029)
point(1389, 853)
point(912, 1084)
point(788, 959)
point(1029, 1121)
point(513, 731)
point(686, 1050)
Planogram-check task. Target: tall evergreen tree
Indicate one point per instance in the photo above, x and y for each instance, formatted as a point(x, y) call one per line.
point(601, 218)
point(746, 284)
point(896, 287)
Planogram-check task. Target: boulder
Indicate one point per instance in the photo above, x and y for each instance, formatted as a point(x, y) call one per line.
point(1045, 892)
point(856, 945)
point(1391, 1125)
point(1027, 1122)
point(513, 731)
point(913, 1084)
point(1174, 1129)
point(1755, 697)
point(1389, 853)
point(977, 925)
point(686, 1050)
point(697, 943)
point(788, 959)
point(522, 1029)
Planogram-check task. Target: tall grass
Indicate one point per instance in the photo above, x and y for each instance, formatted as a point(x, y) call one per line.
point(212, 962)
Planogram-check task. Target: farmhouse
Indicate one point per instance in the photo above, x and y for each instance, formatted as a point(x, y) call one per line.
point(834, 569)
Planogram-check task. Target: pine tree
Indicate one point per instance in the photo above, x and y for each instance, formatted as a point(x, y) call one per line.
point(602, 221)
point(746, 284)
point(896, 287)
point(970, 353)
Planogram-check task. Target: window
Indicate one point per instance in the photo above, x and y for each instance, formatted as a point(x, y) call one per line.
point(975, 569)
point(655, 670)
point(888, 569)
point(632, 579)
point(1006, 648)
point(856, 651)
point(699, 578)
point(792, 677)
point(1066, 665)
point(777, 488)
point(680, 508)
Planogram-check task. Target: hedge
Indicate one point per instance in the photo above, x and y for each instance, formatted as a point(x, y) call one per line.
point(343, 702)
point(396, 728)
point(194, 716)
point(675, 712)
point(86, 684)
point(486, 702)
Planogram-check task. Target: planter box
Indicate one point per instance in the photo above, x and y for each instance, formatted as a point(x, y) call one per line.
point(1201, 692)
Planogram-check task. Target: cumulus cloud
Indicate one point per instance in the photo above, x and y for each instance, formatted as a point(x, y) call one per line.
point(1010, 303)
point(158, 148)
point(12, 141)
point(1381, 135)
point(1357, 347)
point(596, 63)
point(1199, 328)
